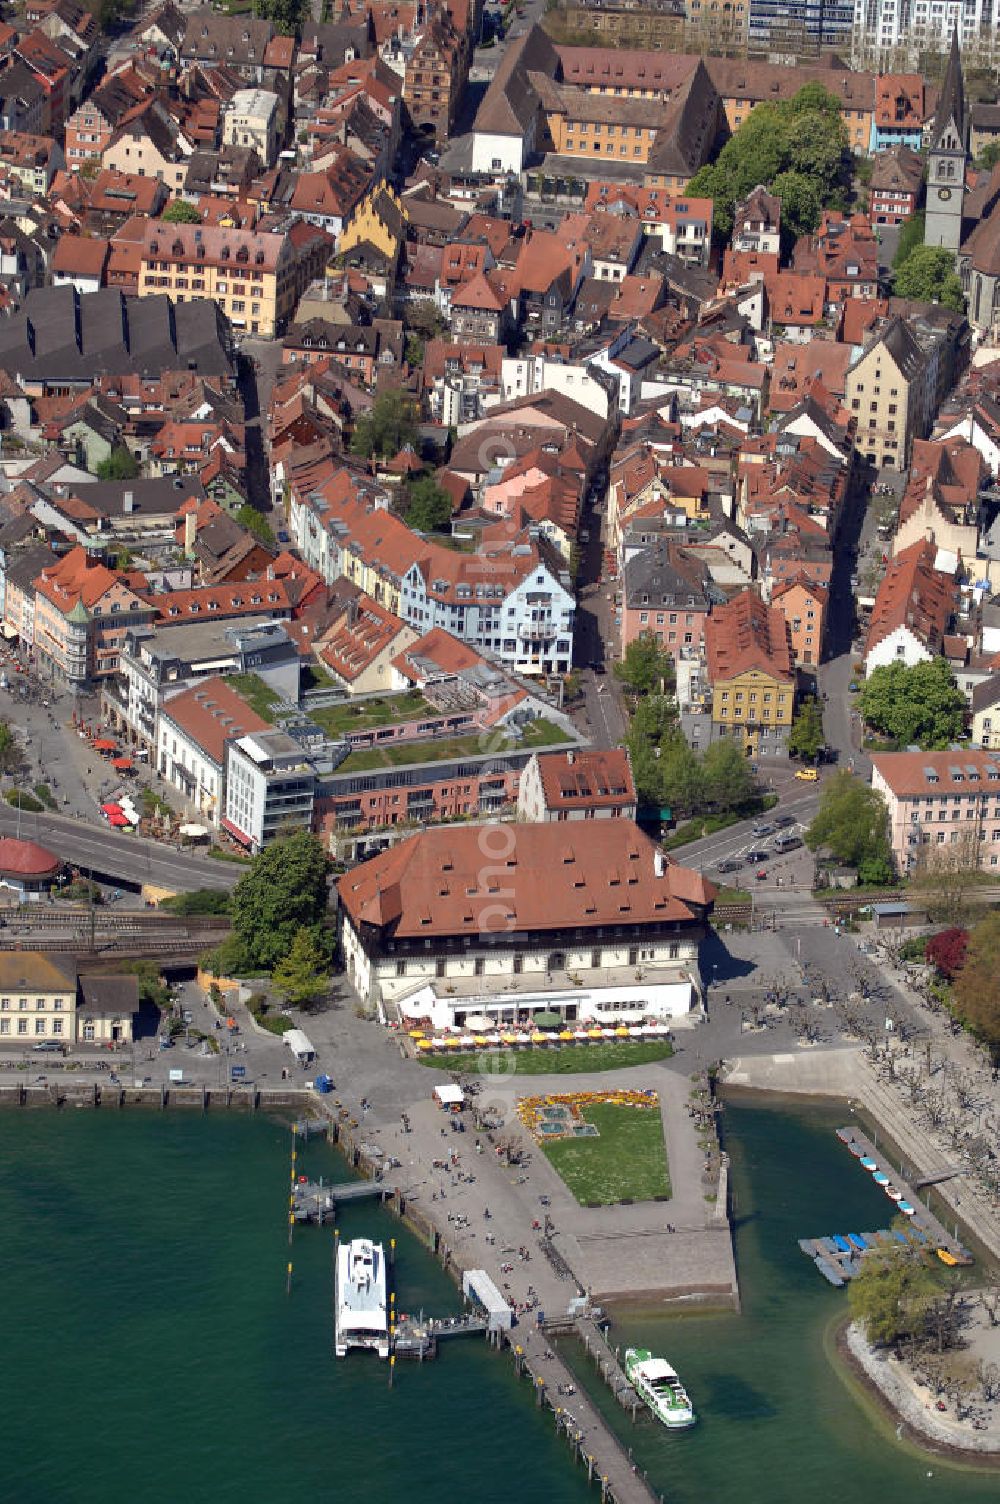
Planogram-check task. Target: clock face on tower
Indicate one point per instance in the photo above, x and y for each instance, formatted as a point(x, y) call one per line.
point(944, 194)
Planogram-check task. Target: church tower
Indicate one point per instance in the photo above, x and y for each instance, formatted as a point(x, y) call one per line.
point(947, 158)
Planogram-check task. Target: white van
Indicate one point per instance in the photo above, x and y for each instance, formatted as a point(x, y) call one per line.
point(300, 1046)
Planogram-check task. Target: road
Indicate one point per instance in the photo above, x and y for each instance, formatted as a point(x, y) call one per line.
point(127, 859)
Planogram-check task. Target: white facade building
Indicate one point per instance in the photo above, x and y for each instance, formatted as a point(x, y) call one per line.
point(251, 119)
point(890, 35)
point(270, 788)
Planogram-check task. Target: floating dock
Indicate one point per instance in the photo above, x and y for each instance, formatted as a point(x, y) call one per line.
point(838, 1256)
point(922, 1223)
point(313, 1201)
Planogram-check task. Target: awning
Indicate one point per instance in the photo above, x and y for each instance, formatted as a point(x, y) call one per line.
point(193, 831)
point(123, 764)
point(547, 1021)
point(111, 809)
point(119, 820)
point(8, 631)
point(478, 1023)
point(105, 744)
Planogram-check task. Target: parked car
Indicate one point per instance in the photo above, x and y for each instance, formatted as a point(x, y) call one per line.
point(49, 1047)
point(731, 864)
point(753, 857)
point(854, 688)
point(807, 775)
point(761, 875)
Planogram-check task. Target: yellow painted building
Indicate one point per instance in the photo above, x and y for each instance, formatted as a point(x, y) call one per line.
point(601, 127)
point(250, 274)
point(751, 670)
point(380, 220)
point(44, 1001)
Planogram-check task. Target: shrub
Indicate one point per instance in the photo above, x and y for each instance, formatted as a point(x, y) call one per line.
point(20, 800)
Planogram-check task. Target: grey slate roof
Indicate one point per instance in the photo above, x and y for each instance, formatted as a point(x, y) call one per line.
point(61, 334)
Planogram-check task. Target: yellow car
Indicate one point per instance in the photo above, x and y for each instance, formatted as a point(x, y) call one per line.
point(807, 775)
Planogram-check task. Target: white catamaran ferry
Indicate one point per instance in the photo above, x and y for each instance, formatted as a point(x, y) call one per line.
point(360, 1304)
point(656, 1383)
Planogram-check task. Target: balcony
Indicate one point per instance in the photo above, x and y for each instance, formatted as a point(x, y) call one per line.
point(537, 631)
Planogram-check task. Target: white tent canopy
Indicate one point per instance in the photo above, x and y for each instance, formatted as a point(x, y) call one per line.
point(449, 1095)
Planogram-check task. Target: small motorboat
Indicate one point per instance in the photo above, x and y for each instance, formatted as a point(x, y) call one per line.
point(892, 1193)
point(907, 1209)
point(881, 1178)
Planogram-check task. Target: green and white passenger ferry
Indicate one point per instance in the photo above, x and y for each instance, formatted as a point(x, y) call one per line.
point(657, 1384)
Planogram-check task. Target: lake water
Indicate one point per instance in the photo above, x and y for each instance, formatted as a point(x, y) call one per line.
point(151, 1352)
point(778, 1421)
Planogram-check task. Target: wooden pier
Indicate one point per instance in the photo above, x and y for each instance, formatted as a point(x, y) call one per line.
point(418, 1336)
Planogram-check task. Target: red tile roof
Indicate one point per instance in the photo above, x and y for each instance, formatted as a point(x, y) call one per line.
point(745, 634)
point(913, 594)
point(597, 873)
point(210, 713)
point(906, 772)
point(589, 779)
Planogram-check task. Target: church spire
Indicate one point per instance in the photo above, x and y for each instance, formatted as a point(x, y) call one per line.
point(951, 103)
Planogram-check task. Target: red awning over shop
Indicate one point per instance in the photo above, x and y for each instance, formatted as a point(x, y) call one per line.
point(119, 820)
point(105, 744)
point(123, 764)
point(111, 809)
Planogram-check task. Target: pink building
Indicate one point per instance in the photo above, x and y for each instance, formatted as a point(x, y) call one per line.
point(666, 594)
point(941, 802)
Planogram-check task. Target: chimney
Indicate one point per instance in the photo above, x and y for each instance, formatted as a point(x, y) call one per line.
point(659, 864)
point(190, 530)
point(128, 503)
point(571, 757)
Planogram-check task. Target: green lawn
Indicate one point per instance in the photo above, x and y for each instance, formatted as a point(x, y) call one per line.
point(564, 1060)
point(628, 1162)
point(539, 733)
point(364, 715)
point(258, 695)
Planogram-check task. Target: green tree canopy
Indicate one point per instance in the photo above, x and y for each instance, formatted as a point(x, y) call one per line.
point(802, 142)
point(304, 973)
point(682, 779)
point(891, 1294)
point(180, 212)
point(121, 464)
point(920, 704)
point(10, 750)
point(976, 994)
point(727, 780)
point(853, 824)
point(910, 237)
point(424, 318)
point(429, 508)
point(806, 739)
point(387, 427)
point(283, 891)
point(989, 156)
point(928, 274)
point(255, 522)
point(646, 667)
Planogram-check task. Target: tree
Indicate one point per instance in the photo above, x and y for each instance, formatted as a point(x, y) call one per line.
point(976, 994)
point(255, 522)
point(726, 777)
point(288, 15)
point(920, 703)
point(304, 973)
point(928, 275)
point(891, 1294)
point(801, 202)
point(121, 464)
point(423, 318)
point(948, 878)
point(652, 726)
point(283, 890)
point(387, 427)
point(10, 750)
point(682, 782)
point(910, 238)
point(805, 739)
point(180, 212)
point(645, 666)
point(946, 951)
point(989, 156)
point(852, 823)
point(415, 351)
point(797, 147)
point(429, 509)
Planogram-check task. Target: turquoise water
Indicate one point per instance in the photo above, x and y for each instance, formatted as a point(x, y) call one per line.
point(150, 1351)
point(778, 1422)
